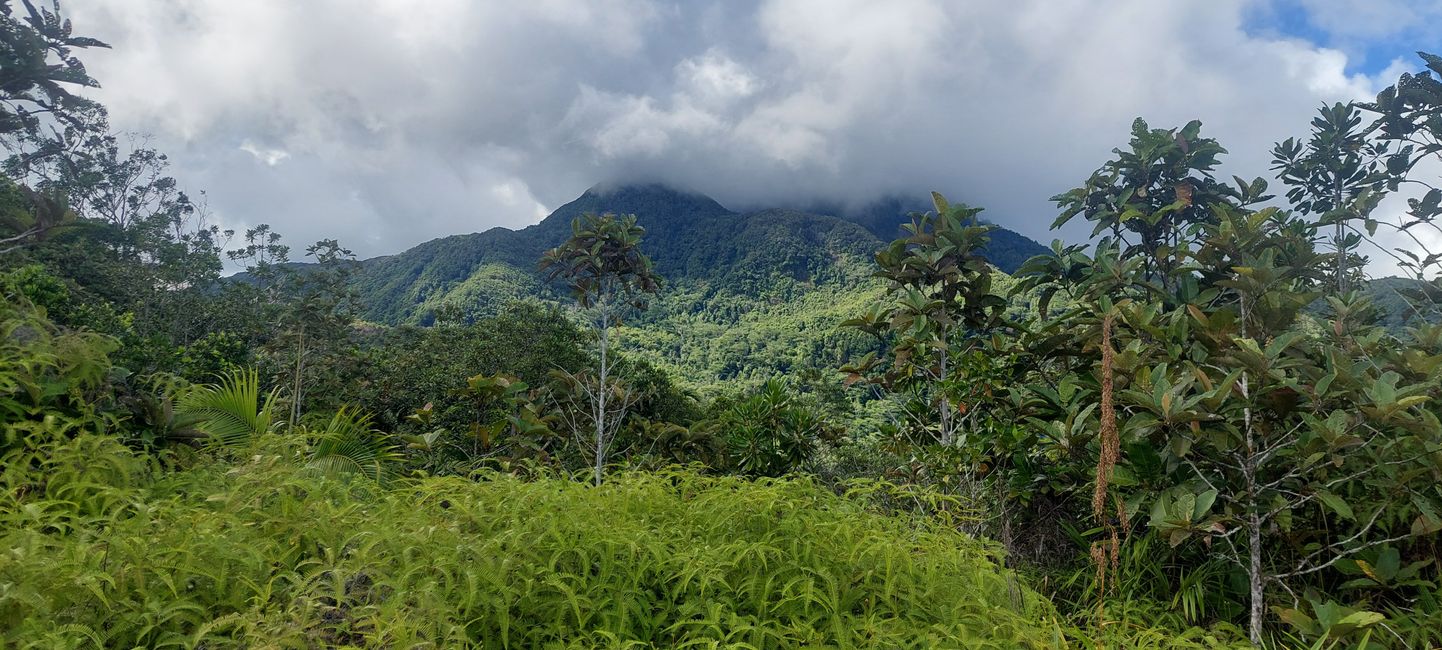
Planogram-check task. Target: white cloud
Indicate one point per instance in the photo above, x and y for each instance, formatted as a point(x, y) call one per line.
point(713, 78)
point(396, 121)
point(271, 157)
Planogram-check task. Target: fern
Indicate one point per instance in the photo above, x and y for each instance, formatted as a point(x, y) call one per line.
point(109, 553)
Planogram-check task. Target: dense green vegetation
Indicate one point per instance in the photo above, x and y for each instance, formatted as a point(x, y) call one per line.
point(748, 296)
point(252, 552)
point(651, 422)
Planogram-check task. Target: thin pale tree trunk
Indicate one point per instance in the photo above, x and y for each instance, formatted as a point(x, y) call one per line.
point(296, 387)
point(1255, 580)
point(1338, 239)
point(947, 435)
point(600, 402)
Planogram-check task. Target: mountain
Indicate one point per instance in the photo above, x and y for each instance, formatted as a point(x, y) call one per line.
point(1008, 250)
point(747, 295)
point(689, 236)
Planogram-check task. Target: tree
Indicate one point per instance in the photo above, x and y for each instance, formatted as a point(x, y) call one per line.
point(37, 70)
point(1152, 200)
point(1286, 450)
point(608, 275)
point(942, 307)
point(1334, 174)
point(1409, 114)
point(767, 432)
point(28, 216)
point(316, 318)
point(504, 423)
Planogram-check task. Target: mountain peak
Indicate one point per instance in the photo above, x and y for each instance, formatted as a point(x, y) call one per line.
point(603, 190)
point(650, 202)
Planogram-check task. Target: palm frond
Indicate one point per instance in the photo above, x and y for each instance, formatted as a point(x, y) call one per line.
point(349, 444)
point(231, 412)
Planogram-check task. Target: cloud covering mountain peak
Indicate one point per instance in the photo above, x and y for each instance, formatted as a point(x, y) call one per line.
point(390, 122)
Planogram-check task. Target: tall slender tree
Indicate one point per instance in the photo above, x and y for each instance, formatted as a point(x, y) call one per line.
point(941, 304)
point(1334, 174)
point(1409, 115)
point(38, 70)
point(609, 276)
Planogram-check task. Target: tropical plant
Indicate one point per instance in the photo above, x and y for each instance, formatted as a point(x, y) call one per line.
point(1259, 430)
point(263, 552)
point(1409, 115)
point(608, 275)
point(941, 308)
point(349, 445)
point(1335, 174)
point(1326, 624)
point(768, 431)
point(53, 380)
point(506, 424)
point(233, 411)
point(38, 69)
point(1149, 202)
point(28, 216)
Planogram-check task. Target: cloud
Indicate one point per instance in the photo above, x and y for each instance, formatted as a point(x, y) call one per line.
point(267, 155)
point(389, 122)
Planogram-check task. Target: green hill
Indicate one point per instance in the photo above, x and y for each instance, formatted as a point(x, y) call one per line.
point(884, 217)
point(690, 236)
point(747, 295)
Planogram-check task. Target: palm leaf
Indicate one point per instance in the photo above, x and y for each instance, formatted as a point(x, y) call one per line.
point(230, 412)
point(350, 445)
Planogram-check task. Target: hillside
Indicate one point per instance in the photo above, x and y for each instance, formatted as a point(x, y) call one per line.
point(884, 217)
point(747, 295)
point(689, 236)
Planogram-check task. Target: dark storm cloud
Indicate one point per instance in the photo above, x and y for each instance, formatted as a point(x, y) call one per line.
point(388, 122)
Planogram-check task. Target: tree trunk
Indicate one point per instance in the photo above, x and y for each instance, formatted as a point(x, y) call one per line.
point(1255, 582)
point(1341, 262)
point(296, 387)
point(1254, 579)
point(600, 404)
point(947, 435)
point(1338, 241)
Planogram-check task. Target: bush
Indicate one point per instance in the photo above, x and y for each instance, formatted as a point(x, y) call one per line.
point(264, 554)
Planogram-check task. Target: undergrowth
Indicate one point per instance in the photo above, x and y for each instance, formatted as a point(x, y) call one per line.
point(106, 548)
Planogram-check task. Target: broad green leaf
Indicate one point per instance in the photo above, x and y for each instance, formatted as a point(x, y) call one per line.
point(1336, 504)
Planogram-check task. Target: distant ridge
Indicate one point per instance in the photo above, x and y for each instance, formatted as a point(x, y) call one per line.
point(689, 235)
point(747, 295)
point(884, 217)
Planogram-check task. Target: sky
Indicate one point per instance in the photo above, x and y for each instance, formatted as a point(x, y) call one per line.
point(386, 123)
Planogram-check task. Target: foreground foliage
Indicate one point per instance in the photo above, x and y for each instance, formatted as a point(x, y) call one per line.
point(107, 549)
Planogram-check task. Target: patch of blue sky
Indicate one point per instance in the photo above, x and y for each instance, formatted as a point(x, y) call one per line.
point(1372, 33)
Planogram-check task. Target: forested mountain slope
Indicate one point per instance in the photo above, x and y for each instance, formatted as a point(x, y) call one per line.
point(884, 217)
point(689, 236)
point(747, 295)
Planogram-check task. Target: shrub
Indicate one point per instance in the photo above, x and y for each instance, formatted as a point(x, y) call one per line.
point(267, 554)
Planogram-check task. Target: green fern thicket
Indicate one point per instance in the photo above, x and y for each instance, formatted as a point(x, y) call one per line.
point(106, 548)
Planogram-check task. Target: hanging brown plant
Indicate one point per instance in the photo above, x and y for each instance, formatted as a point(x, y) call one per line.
point(1105, 552)
point(1110, 440)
